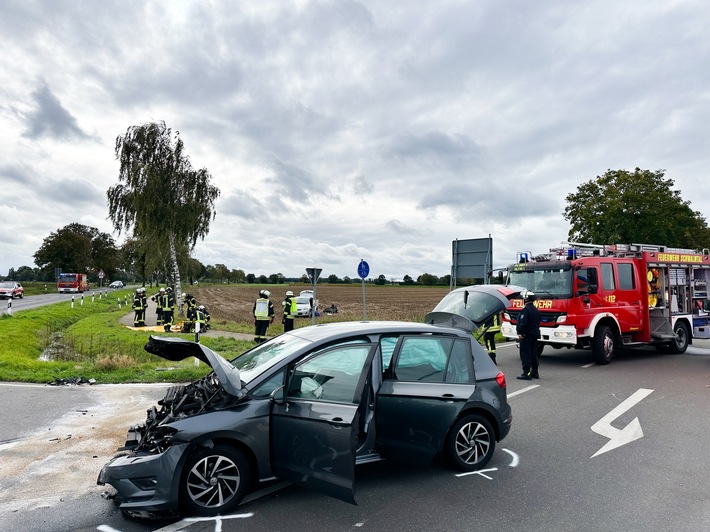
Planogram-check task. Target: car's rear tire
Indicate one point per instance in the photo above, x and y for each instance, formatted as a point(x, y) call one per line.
point(470, 443)
point(603, 345)
point(214, 481)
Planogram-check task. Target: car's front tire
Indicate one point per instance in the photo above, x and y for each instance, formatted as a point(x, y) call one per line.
point(214, 481)
point(470, 443)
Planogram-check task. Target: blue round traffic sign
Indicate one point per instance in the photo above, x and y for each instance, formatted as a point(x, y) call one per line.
point(363, 269)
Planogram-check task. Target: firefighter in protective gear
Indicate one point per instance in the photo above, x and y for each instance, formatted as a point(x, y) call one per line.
point(157, 298)
point(490, 329)
point(290, 311)
point(205, 316)
point(191, 303)
point(263, 316)
point(138, 309)
point(168, 304)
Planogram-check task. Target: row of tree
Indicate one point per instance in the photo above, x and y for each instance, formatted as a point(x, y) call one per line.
point(78, 248)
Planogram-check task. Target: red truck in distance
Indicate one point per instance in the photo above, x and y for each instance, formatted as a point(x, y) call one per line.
point(72, 282)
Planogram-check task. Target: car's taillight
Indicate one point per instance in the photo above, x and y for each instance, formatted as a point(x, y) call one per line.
point(500, 379)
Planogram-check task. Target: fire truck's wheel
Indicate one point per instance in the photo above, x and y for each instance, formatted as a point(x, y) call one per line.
point(682, 338)
point(603, 346)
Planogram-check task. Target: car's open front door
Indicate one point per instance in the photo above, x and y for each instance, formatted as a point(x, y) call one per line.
point(315, 425)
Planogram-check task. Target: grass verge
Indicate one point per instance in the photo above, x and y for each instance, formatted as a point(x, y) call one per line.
point(60, 342)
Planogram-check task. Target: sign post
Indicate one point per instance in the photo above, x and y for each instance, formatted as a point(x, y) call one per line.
point(313, 274)
point(101, 279)
point(363, 270)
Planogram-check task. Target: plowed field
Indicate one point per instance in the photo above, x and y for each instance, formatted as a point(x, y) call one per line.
point(233, 303)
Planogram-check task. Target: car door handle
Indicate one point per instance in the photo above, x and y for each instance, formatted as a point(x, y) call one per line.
point(338, 422)
point(448, 396)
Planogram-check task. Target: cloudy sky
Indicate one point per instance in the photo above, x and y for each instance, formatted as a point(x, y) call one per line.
point(344, 130)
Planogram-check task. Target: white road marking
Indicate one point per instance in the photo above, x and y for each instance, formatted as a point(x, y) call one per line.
point(589, 365)
point(479, 472)
point(516, 458)
point(523, 390)
point(188, 521)
point(619, 437)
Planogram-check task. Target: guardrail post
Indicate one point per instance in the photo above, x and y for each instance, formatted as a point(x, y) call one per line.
point(9, 307)
point(72, 302)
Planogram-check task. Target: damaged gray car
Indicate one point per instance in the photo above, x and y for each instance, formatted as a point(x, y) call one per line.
point(311, 404)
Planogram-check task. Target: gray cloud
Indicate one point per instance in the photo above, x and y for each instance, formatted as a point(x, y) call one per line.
point(354, 129)
point(50, 118)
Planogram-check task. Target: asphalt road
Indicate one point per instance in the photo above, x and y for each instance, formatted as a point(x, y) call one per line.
point(28, 302)
point(551, 473)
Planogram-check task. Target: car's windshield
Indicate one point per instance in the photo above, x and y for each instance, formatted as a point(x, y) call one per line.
point(7, 284)
point(549, 281)
point(67, 277)
point(262, 357)
point(303, 301)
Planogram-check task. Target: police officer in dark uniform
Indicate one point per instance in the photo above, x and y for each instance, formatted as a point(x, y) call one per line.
point(528, 330)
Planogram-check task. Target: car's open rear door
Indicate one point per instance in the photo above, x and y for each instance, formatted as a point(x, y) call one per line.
point(316, 424)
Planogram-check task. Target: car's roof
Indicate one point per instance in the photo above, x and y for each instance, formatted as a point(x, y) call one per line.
point(348, 328)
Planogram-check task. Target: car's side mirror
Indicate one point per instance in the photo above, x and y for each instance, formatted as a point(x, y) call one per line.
point(278, 396)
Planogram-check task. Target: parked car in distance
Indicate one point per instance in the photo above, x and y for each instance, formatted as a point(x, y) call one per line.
point(11, 290)
point(309, 405)
point(116, 284)
point(303, 306)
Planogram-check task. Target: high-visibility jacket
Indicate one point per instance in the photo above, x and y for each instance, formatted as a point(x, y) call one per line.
point(201, 318)
point(167, 302)
point(263, 309)
point(494, 325)
point(290, 307)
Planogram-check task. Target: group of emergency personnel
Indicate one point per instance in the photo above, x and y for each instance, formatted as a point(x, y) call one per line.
point(164, 303)
point(195, 314)
point(263, 311)
point(165, 310)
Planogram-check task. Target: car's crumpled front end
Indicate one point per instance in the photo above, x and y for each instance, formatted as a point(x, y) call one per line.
point(142, 472)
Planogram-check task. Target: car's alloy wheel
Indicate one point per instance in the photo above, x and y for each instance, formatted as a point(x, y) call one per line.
point(471, 443)
point(215, 481)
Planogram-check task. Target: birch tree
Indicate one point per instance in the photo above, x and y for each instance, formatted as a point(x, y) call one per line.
point(160, 197)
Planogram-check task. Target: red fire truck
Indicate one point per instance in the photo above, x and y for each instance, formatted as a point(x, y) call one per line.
point(72, 282)
point(603, 297)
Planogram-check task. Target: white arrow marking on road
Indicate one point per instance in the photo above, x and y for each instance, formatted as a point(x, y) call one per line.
point(516, 458)
point(479, 472)
point(619, 437)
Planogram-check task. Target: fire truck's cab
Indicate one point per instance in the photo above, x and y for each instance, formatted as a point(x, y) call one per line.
point(602, 297)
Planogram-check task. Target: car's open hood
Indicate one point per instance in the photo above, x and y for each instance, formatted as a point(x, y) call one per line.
point(468, 308)
point(176, 349)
